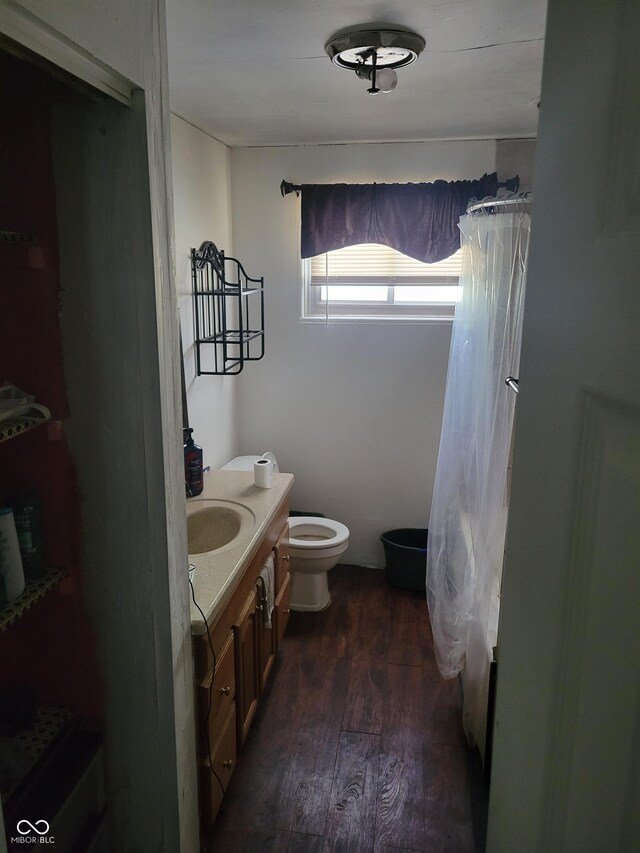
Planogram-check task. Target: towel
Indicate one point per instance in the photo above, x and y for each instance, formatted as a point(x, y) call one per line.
point(267, 575)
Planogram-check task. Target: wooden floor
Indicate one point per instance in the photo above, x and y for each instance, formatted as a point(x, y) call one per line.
point(358, 744)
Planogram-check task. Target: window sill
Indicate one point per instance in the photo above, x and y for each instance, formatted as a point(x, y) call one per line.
point(359, 319)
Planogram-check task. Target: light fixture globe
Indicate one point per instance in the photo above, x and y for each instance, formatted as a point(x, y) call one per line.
point(393, 47)
point(386, 79)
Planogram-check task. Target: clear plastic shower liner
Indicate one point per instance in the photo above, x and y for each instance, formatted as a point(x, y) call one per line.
point(469, 509)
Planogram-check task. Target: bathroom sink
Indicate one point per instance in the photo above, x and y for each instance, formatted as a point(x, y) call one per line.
point(212, 524)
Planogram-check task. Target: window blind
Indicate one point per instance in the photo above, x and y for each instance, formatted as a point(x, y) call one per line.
point(374, 264)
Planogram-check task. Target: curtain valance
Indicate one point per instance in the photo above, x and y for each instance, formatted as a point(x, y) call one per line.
point(420, 220)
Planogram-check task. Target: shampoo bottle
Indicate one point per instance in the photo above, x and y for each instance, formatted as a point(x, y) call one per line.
point(11, 574)
point(28, 519)
point(192, 465)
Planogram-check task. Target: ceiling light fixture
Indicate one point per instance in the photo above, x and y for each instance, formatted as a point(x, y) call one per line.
point(374, 54)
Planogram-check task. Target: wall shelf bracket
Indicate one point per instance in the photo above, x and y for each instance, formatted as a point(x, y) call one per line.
point(228, 313)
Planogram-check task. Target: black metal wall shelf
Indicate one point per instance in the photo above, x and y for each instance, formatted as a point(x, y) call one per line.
point(14, 427)
point(228, 312)
point(33, 592)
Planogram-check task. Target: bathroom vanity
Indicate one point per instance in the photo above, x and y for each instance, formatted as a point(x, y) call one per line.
point(242, 526)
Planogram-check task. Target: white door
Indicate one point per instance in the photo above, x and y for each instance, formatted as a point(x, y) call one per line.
point(566, 761)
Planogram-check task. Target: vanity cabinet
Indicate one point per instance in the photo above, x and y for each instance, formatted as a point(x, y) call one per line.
point(232, 670)
point(267, 645)
point(282, 609)
point(246, 632)
point(223, 762)
point(221, 693)
point(282, 557)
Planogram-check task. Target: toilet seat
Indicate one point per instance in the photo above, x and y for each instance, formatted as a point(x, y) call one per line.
point(330, 533)
point(315, 546)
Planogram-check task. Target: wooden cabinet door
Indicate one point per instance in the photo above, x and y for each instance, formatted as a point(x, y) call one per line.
point(245, 632)
point(266, 636)
point(282, 557)
point(215, 696)
point(223, 762)
point(282, 609)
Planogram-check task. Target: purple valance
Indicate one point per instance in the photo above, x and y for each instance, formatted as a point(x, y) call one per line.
point(419, 220)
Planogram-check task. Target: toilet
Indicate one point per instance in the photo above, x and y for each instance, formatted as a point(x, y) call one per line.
point(315, 546)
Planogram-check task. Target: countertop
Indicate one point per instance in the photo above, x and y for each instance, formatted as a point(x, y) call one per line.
point(216, 571)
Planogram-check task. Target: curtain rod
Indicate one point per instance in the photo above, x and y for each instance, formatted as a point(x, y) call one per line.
point(511, 184)
point(499, 202)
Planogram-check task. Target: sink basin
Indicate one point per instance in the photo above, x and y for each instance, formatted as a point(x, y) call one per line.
point(212, 524)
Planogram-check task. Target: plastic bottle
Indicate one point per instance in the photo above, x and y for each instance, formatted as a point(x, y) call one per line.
point(11, 574)
point(193, 476)
point(27, 516)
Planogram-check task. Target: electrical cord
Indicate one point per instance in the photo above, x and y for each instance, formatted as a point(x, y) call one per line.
point(210, 703)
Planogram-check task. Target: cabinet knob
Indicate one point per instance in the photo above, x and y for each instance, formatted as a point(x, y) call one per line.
point(225, 690)
point(227, 764)
point(287, 612)
point(286, 558)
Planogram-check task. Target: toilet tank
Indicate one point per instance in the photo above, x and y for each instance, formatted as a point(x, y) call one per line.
point(246, 463)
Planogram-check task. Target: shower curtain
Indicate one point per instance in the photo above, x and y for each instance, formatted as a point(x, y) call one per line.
point(469, 510)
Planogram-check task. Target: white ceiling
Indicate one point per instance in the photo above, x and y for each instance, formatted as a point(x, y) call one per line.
point(254, 72)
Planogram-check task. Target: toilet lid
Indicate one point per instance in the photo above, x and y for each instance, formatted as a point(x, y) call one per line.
point(246, 463)
point(311, 532)
point(272, 458)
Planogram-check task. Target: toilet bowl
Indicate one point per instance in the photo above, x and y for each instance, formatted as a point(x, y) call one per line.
point(315, 546)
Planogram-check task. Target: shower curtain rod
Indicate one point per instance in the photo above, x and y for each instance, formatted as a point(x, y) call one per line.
point(511, 185)
point(498, 202)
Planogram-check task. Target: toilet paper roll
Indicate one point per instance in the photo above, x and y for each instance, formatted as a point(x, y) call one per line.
point(263, 473)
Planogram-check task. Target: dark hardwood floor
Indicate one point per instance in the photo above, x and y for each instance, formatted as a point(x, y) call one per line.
point(358, 744)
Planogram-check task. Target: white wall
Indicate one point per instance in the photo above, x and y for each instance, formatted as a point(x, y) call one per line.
point(116, 32)
point(202, 211)
point(354, 411)
point(516, 157)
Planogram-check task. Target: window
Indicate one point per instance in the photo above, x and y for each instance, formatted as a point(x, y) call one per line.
point(370, 281)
